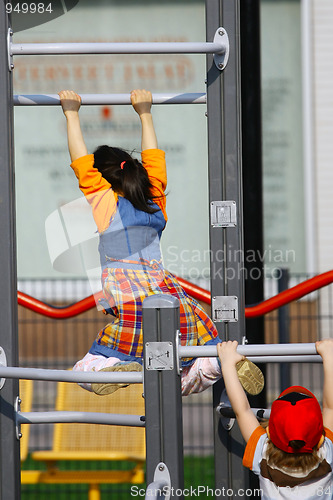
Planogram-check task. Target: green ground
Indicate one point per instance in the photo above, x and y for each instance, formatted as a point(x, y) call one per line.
point(197, 472)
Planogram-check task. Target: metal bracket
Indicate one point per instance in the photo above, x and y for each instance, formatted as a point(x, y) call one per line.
point(17, 408)
point(223, 213)
point(159, 356)
point(160, 488)
point(9, 49)
point(225, 309)
point(178, 358)
point(221, 58)
point(3, 362)
point(223, 409)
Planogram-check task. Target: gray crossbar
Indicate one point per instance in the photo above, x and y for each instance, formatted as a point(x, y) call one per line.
point(253, 350)
point(59, 417)
point(117, 48)
point(104, 99)
point(70, 376)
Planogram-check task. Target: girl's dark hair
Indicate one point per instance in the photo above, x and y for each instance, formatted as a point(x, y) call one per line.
point(131, 181)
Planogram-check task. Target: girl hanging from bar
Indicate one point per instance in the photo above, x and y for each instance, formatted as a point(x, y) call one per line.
point(129, 207)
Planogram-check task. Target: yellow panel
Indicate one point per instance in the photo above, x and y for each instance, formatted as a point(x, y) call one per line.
point(95, 437)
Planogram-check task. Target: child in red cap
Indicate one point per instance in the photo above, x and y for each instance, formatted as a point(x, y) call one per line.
point(293, 457)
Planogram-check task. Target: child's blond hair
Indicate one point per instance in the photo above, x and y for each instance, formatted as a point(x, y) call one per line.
point(281, 459)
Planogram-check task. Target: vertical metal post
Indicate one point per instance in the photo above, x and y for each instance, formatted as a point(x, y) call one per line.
point(252, 178)
point(162, 389)
point(252, 171)
point(225, 183)
point(283, 326)
point(9, 446)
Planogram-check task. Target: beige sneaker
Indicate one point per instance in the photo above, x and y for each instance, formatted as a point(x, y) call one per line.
point(102, 389)
point(250, 376)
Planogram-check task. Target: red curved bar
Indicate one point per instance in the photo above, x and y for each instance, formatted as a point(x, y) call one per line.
point(287, 296)
point(283, 298)
point(57, 312)
point(195, 291)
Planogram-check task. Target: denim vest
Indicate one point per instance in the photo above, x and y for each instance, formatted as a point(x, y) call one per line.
point(132, 237)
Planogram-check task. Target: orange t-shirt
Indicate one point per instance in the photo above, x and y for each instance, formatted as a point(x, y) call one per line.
point(100, 194)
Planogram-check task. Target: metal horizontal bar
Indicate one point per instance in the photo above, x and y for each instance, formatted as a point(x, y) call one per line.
point(117, 48)
point(286, 359)
point(227, 411)
point(262, 412)
point(252, 350)
point(103, 99)
point(54, 417)
point(70, 376)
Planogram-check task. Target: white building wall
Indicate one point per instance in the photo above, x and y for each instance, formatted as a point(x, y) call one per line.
point(322, 11)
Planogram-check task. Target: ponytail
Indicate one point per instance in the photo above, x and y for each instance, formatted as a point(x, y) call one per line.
point(127, 176)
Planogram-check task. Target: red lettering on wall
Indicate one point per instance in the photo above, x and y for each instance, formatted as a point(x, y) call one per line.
point(128, 73)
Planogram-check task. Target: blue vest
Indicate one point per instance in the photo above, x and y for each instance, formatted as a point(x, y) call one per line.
point(133, 235)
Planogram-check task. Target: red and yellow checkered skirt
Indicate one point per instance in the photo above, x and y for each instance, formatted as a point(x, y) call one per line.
point(125, 290)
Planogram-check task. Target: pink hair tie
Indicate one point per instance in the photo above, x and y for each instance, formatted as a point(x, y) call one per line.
point(122, 164)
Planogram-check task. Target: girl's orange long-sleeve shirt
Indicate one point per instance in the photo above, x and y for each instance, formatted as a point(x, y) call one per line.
point(100, 194)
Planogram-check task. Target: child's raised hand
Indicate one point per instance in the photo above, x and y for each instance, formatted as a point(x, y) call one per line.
point(70, 101)
point(325, 348)
point(227, 352)
point(141, 101)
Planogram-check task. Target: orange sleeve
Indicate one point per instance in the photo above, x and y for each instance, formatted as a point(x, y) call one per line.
point(328, 433)
point(97, 190)
point(153, 161)
point(251, 446)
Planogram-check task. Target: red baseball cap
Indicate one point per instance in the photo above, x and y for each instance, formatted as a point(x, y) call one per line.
point(296, 415)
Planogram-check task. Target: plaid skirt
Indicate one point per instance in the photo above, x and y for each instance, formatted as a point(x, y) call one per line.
point(125, 290)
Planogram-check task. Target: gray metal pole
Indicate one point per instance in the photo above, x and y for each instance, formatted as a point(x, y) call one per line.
point(286, 359)
point(162, 389)
point(262, 413)
point(252, 350)
point(9, 446)
point(54, 417)
point(104, 99)
point(70, 376)
point(283, 325)
point(226, 238)
point(118, 48)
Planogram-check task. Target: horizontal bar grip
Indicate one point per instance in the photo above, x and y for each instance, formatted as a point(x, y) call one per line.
point(252, 350)
point(286, 359)
point(227, 411)
point(117, 48)
point(104, 99)
point(54, 417)
point(70, 376)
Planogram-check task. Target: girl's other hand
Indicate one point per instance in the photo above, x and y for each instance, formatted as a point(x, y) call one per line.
point(70, 101)
point(141, 101)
